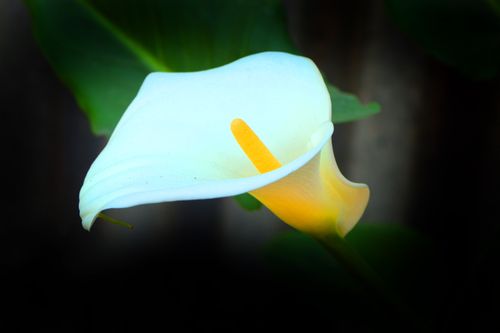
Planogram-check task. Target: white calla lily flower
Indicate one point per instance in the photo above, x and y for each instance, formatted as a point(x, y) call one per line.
point(261, 124)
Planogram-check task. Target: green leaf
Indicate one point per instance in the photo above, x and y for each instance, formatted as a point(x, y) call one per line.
point(461, 33)
point(248, 202)
point(103, 49)
point(347, 107)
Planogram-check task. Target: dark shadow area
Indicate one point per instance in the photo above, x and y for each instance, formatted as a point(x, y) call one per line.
point(176, 276)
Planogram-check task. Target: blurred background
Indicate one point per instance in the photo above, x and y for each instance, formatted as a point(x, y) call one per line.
point(431, 158)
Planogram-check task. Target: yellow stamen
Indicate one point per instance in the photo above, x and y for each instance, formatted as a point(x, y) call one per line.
point(253, 147)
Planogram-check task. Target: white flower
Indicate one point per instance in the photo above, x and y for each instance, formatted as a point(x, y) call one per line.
point(261, 124)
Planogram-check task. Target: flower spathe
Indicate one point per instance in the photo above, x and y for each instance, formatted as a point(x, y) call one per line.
point(261, 124)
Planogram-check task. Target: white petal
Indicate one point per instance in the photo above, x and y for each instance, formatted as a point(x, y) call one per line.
point(174, 141)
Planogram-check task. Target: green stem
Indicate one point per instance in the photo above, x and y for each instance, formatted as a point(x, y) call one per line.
point(364, 274)
point(109, 219)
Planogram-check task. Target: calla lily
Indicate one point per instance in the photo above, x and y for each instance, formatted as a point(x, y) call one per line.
point(261, 124)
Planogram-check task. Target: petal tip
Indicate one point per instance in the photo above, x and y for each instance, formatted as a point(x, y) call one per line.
point(88, 221)
point(356, 207)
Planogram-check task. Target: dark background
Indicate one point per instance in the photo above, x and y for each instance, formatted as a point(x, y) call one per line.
point(431, 158)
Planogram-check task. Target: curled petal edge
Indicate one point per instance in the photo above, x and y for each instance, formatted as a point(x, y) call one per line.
point(89, 209)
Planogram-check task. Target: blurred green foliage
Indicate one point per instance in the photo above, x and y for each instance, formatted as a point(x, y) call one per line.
point(347, 107)
point(403, 258)
point(104, 49)
point(462, 33)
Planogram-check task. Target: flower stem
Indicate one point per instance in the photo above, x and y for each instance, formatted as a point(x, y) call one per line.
point(112, 220)
point(364, 274)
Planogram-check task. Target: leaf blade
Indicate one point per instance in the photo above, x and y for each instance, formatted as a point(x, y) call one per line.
point(347, 107)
